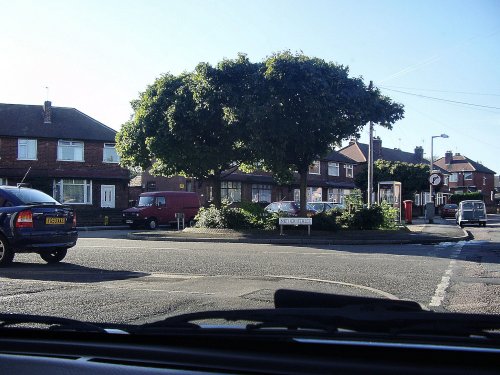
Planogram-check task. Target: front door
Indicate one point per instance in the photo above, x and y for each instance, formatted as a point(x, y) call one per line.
point(108, 196)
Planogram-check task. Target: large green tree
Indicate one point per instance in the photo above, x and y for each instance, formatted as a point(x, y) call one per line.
point(307, 105)
point(413, 177)
point(193, 124)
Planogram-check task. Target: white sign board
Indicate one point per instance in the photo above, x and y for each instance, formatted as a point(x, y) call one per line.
point(295, 221)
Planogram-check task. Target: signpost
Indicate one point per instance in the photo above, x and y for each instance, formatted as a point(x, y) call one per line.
point(295, 221)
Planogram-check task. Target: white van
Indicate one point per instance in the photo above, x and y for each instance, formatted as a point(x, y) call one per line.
point(471, 212)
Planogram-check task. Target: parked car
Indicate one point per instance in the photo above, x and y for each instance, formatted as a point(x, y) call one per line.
point(324, 206)
point(160, 207)
point(470, 212)
point(449, 210)
point(34, 222)
point(292, 208)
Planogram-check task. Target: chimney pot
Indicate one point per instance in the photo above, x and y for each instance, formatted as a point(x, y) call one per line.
point(47, 112)
point(419, 154)
point(448, 157)
point(377, 148)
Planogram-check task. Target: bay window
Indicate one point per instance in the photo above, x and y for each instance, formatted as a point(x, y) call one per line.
point(231, 190)
point(261, 193)
point(73, 191)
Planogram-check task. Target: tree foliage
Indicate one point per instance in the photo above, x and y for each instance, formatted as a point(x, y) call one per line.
point(305, 106)
point(283, 114)
point(192, 124)
point(413, 177)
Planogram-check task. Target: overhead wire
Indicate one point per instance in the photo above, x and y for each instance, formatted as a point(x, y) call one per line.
point(441, 99)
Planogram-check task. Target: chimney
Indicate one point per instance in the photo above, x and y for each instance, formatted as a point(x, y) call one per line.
point(377, 148)
point(419, 154)
point(352, 140)
point(47, 112)
point(448, 157)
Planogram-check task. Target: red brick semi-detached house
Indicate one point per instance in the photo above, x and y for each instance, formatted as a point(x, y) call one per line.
point(463, 175)
point(71, 155)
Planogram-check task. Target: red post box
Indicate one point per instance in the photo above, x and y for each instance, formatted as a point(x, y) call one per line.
point(408, 211)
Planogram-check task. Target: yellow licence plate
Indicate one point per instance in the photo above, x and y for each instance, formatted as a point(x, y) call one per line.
point(55, 220)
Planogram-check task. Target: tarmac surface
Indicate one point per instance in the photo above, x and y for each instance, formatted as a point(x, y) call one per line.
point(420, 231)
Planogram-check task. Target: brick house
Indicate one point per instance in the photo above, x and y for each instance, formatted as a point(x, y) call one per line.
point(359, 152)
point(330, 179)
point(463, 175)
point(69, 155)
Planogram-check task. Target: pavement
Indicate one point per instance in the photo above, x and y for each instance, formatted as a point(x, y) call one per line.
point(419, 232)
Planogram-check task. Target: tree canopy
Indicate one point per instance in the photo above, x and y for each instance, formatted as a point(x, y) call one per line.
point(307, 105)
point(192, 124)
point(283, 113)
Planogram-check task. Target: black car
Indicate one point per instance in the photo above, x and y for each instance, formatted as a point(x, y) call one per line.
point(33, 222)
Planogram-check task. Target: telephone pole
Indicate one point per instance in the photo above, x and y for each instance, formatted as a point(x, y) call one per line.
point(370, 159)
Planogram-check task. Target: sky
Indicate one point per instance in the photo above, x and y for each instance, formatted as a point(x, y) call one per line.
point(431, 56)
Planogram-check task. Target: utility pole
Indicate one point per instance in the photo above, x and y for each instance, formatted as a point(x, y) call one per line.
point(370, 158)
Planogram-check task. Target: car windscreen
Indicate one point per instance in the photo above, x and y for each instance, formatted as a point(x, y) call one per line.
point(145, 201)
point(31, 196)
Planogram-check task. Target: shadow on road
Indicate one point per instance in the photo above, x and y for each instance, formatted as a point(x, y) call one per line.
point(65, 272)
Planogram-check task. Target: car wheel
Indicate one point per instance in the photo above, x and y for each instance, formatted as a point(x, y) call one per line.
point(152, 224)
point(54, 256)
point(6, 253)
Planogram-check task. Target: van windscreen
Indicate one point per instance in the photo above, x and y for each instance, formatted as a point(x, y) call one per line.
point(145, 201)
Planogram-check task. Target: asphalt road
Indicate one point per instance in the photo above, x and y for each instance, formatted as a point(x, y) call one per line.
point(107, 277)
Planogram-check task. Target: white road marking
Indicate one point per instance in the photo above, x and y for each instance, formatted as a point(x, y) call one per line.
point(440, 292)
point(373, 290)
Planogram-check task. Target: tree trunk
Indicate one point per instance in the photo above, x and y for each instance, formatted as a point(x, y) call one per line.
point(303, 188)
point(216, 185)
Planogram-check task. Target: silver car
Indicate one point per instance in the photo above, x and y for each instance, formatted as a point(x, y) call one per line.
point(471, 212)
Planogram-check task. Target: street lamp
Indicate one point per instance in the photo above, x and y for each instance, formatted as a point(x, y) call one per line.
point(432, 160)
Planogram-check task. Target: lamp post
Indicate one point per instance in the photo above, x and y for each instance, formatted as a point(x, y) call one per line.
point(432, 160)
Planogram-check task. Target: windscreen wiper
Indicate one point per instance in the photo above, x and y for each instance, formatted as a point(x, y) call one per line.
point(53, 323)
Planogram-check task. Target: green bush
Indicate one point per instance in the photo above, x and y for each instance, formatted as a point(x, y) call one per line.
point(211, 217)
point(326, 220)
point(457, 198)
point(248, 216)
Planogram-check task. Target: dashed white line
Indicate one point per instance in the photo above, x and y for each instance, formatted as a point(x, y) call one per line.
point(440, 292)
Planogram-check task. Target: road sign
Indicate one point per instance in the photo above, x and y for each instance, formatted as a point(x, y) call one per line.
point(435, 179)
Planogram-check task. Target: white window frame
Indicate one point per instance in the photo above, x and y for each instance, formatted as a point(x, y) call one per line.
point(333, 169)
point(349, 171)
point(313, 194)
point(468, 174)
point(3, 181)
point(453, 177)
point(87, 190)
point(26, 142)
point(337, 195)
point(110, 146)
point(315, 164)
point(73, 144)
point(446, 180)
